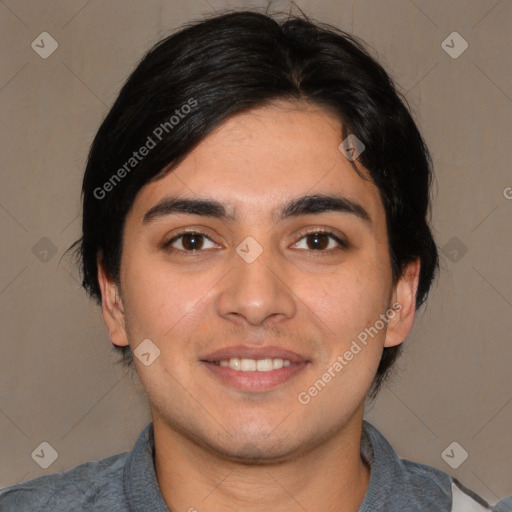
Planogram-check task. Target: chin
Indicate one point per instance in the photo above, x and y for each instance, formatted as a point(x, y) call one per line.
point(252, 452)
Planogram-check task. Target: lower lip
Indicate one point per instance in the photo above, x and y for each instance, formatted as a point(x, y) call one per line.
point(254, 381)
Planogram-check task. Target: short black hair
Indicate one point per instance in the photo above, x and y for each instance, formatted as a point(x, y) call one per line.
point(192, 81)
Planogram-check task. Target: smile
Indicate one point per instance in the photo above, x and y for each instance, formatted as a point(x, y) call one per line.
point(254, 365)
point(254, 375)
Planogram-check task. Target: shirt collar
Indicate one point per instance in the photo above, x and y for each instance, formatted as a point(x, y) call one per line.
point(388, 489)
point(140, 483)
point(397, 484)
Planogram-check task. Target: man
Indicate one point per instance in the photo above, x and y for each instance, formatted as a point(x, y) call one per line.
point(254, 228)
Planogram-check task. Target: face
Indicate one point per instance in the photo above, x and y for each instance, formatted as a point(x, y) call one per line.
point(259, 274)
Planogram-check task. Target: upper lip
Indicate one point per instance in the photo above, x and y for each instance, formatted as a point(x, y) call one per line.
point(248, 352)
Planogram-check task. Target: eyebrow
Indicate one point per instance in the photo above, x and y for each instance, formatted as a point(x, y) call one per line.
point(304, 205)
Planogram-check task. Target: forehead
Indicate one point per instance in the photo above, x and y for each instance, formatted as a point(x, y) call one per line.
point(257, 160)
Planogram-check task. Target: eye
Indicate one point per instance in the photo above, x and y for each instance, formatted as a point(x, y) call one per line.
point(188, 241)
point(322, 241)
point(194, 241)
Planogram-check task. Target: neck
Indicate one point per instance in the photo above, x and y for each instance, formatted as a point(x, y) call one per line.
point(330, 477)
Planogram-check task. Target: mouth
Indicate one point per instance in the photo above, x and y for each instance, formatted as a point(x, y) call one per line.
point(254, 368)
point(253, 365)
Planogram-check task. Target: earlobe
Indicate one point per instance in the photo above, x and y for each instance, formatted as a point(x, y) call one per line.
point(404, 305)
point(112, 308)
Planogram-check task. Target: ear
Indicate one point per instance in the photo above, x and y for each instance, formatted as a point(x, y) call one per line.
point(112, 308)
point(403, 303)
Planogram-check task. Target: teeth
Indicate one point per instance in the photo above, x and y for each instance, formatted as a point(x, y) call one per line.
point(248, 365)
point(253, 365)
point(264, 365)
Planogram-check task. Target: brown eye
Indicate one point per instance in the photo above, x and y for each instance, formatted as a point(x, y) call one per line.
point(192, 241)
point(321, 241)
point(318, 241)
point(188, 241)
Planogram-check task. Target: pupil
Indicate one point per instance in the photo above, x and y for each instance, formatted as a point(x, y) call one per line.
point(319, 236)
point(190, 241)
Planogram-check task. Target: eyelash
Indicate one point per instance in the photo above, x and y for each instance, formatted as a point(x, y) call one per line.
point(167, 245)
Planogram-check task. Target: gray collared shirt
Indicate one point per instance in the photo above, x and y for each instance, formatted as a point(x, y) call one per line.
point(127, 483)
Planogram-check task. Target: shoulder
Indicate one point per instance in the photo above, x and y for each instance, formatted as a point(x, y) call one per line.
point(429, 483)
point(80, 486)
point(401, 484)
point(465, 500)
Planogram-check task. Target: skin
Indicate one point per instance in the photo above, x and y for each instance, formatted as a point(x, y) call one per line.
point(217, 447)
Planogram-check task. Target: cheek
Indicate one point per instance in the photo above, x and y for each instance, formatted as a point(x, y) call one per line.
point(160, 299)
point(351, 305)
point(351, 298)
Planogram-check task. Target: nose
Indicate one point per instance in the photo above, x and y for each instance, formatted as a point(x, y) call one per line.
point(257, 290)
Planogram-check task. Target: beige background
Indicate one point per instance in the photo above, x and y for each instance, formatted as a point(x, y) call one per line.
point(58, 382)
